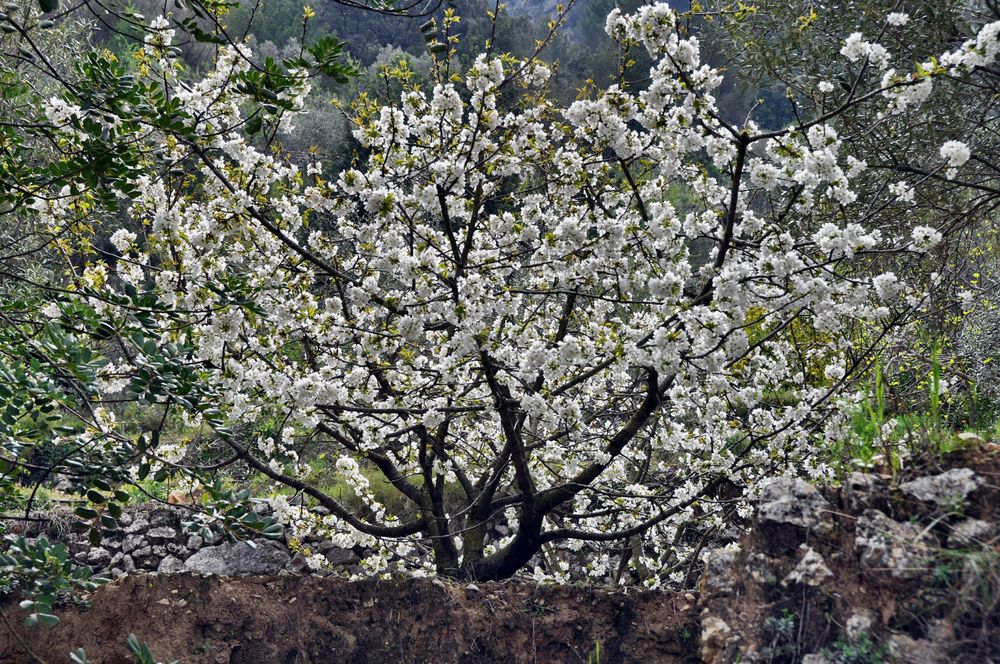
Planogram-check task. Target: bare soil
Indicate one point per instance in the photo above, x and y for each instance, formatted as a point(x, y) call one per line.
point(299, 620)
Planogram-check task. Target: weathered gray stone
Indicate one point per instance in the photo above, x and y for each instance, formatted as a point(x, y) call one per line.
point(970, 532)
point(944, 489)
point(177, 549)
point(859, 623)
point(238, 559)
point(298, 564)
point(131, 543)
point(889, 546)
point(142, 552)
point(720, 571)
point(759, 568)
point(159, 550)
point(789, 500)
point(161, 533)
point(170, 565)
point(98, 557)
point(933, 648)
point(716, 635)
point(815, 658)
point(338, 556)
point(164, 517)
point(139, 523)
point(810, 571)
point(859, 487)
point(195, 542)
point(262, 506)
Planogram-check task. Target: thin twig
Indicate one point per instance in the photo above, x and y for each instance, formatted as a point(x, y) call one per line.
point(20, 639)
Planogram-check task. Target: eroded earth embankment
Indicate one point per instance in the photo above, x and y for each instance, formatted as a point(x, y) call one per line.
point(878, 569)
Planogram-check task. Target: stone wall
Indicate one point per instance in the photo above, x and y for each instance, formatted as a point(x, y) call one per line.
point(153, 539)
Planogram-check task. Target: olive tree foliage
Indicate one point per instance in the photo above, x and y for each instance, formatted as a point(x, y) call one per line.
point(498, 312)
point(74, 123)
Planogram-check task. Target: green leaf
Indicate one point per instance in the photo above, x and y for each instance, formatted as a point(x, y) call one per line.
point(47, 619)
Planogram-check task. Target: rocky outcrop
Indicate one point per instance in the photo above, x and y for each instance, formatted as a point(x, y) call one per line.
point(948, 489)
point(874, 570)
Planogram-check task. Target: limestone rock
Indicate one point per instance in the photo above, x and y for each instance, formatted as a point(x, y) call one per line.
point(789, 500)
point(720, 571)
point(810, 571)
point(98, 557)
point(238, 559)
point(933, 648)
point(164, 517)
point(131, 543)
point(859, 487)
point(859, 623)
point(337, 556)
point(816, 658)
point(944, 489)
point(716, 635)
point(970, 532)
point(170, 565)
point(139, 523)
point(889, 546)
point(161, 533)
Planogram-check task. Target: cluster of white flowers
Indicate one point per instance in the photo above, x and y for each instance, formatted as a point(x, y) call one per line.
point(857, 48)
point(897, 19)
point(159, 36)
point(925, 237)
point(902, 191)
point(981, 51)
point(956, 153)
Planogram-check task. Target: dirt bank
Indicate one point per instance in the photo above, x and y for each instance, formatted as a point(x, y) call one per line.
point(295, 620)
